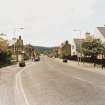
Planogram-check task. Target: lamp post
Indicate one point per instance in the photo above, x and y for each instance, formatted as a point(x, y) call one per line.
point(14, 39)
point(80, 54)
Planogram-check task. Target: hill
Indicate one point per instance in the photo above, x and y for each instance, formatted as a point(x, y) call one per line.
point(41, 49)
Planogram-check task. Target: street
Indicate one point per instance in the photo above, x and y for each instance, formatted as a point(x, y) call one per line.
point(51, 82)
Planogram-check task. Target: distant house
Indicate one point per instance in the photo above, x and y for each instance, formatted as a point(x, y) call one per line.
point(78, 42)
point(66, 48)
point(60, 50)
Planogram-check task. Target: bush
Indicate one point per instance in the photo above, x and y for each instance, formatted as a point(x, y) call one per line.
point(5, 57)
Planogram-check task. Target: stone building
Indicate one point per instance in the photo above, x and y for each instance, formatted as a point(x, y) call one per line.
point(64, 49)
point(19, 47)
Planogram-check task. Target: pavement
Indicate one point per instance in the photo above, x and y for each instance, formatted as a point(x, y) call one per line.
point(7, 84)
point(84, 66)
point(51, 82)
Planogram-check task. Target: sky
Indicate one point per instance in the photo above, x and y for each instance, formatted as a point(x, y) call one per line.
point(50, 22)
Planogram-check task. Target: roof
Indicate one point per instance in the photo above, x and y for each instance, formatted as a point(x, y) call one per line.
point(102, 30)
point(78, 42)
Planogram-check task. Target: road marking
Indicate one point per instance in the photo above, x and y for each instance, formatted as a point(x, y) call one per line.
point(19, 88)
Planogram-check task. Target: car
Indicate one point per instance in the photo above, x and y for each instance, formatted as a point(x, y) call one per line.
point(37, 59)
point(22, 64)
point(21, 61)
point(65, 60)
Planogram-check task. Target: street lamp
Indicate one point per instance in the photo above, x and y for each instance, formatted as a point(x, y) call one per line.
point(79, 55)
point(14, 39)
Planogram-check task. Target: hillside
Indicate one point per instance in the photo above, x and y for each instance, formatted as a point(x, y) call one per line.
point(41, 49)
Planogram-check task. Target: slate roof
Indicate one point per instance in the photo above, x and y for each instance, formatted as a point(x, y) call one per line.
point(101, 30)
point(78, 42)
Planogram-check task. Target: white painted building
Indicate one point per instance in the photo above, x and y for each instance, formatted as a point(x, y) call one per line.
point(73, 48)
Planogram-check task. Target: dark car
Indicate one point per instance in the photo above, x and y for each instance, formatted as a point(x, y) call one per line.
point(37, 58)
point(22, 64)
point(65, 60)
point(21, 61)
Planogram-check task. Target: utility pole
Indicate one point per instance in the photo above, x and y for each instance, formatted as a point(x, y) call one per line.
point(14, 39)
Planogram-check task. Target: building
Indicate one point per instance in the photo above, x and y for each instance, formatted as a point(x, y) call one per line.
point(100, 31)
point(64, 49)
point(60, 50)
point(67, 48)
point(73, 49)
point(78, 42)
point(88, 36)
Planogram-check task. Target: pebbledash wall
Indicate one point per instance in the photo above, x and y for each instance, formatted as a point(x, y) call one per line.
point(73, 48)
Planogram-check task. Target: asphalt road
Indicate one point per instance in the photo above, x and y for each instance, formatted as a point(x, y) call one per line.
point(50, 82)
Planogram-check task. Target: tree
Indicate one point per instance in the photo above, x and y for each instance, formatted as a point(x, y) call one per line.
point(29, 50)
point(5, 57)
point(5, 54)
point(92, 47)
point(3, 44)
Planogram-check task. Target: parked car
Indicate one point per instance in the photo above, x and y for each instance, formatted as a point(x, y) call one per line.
point(22, 64)
point(65, 60)
point(21, 61)
point(37, 58)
